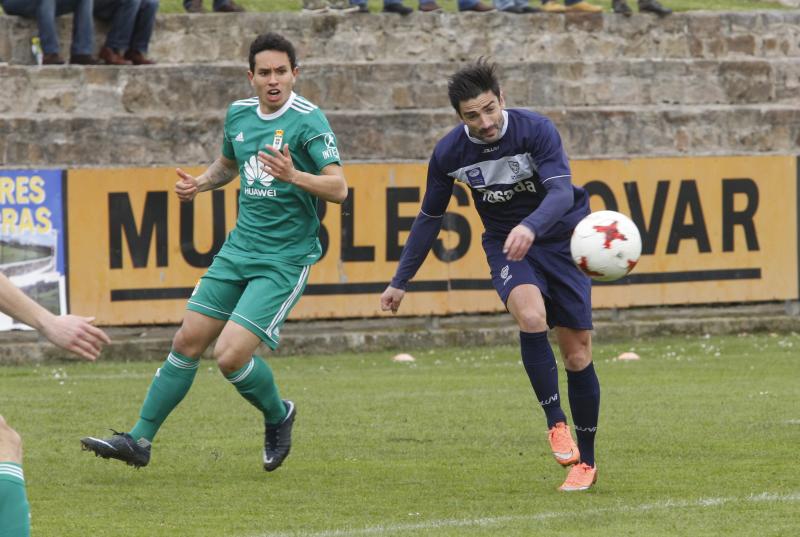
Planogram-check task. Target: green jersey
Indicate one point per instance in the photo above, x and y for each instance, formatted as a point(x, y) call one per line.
point(277, 220)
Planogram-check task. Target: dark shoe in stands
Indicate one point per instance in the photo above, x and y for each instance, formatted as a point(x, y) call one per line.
point(652, 6)
point(430, 7)
point(196, 6)
point(479, 8)
point(400, 9)
point(230, 7)
point(621, 7)
point(137, 58)
point(513, 9)
point(530, 9)
point(112, 57)
point(83, 59)
point(52, 59)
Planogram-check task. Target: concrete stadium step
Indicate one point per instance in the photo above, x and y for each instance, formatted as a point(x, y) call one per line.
point(423, 37)
point(187, 89)
point(624, 131)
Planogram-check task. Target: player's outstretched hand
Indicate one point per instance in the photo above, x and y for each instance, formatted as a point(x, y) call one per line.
point(277, 163)
point(518, 243)
point(391, 299)
point(186, 187)
point(76, 334)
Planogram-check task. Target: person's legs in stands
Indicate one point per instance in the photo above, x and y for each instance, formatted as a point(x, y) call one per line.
point(122, 15)
point(142, 31)
point(82, 25)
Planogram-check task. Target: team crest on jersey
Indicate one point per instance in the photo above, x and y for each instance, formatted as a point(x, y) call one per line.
point(277, 141)
point(475, 177)
point(514, 165)
point(254, 172)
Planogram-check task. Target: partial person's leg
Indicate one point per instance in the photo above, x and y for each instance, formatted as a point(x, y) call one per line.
point(176, 375)
point(249, 374)
point(168, 388)
point(143, 29)
point(583, 387)
point(46, 20)
point(526, 305)
point(122, 14)
point(82, 25)
point(14, 507)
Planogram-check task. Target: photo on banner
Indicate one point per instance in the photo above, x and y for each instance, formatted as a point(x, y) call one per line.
point(32, 241)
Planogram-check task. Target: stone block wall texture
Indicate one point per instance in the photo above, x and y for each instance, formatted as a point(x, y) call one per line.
point(698, 83)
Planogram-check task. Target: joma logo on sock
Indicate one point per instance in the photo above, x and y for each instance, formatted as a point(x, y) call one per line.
point(552, 399)
point(586, 429)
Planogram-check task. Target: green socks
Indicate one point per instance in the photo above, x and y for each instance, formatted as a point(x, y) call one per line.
point(256, 384)
point(14, 509)
point(169, 386)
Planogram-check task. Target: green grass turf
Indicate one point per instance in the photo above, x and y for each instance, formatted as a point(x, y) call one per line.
point(698, 438)
point(176, 6)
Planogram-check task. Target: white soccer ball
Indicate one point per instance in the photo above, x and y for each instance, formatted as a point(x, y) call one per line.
point(606, 245)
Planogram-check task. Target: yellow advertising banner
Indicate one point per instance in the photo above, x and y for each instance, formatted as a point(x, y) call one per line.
point(714, 230)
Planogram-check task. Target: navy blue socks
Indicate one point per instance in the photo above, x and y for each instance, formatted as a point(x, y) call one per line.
point(540, 364)
point(584, 401)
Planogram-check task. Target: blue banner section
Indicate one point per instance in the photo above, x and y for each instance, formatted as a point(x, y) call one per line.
point(32, 235)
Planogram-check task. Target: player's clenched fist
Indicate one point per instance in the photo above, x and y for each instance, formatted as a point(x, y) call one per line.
point(391, 298)
point(186, 187)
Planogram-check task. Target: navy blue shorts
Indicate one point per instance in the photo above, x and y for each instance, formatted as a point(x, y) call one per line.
point(567, 291)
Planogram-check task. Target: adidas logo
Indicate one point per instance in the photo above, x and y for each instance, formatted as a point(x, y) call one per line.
point(239, 137)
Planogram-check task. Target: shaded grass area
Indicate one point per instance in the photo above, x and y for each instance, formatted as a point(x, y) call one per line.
point(697, 438)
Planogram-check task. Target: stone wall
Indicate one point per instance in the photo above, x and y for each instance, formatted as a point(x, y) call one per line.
point(699, 83)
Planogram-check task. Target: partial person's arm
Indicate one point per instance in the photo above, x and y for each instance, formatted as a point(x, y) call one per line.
point(221, 172)
point(553, 167)
point(423, 233)
point(69, 332)
point(329, 185)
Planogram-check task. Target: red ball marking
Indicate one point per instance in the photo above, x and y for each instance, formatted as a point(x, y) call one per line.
point(631, 264)
point(612, 232)
point(584, 266)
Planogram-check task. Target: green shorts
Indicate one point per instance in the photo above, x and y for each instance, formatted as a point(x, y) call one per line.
point(253, 293)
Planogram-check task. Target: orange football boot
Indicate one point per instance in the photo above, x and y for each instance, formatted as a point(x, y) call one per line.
point(561, 444)
point(580, 477)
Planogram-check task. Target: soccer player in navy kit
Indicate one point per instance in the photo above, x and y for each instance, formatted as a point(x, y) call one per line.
point(516, 168)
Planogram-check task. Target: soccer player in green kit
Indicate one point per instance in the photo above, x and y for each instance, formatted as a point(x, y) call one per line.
point(285, 153)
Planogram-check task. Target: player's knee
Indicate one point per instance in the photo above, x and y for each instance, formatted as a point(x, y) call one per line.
point(577, 359)
point(186, 343)
point(10, 443)
point(531, 320)
point(228, 360)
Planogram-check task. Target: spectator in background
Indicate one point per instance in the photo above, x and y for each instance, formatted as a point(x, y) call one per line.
point(515, 6)
point(45, 13)
point(645, 6)
point(473, 5)
point(132, 23)
point(220, 6)
point(570, 6)
point(360, 6)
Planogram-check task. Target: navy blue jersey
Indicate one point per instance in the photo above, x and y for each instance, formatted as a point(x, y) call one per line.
point(522, 178)
point(509, 178)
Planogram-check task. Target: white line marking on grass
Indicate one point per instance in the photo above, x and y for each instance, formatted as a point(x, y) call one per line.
point(494, 521)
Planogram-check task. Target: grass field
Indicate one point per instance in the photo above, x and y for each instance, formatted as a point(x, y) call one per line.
point(698, 438)
point(176, 6)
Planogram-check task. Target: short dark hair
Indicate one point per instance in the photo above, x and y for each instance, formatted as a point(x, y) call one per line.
point(471, 81)
point(272, 41)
